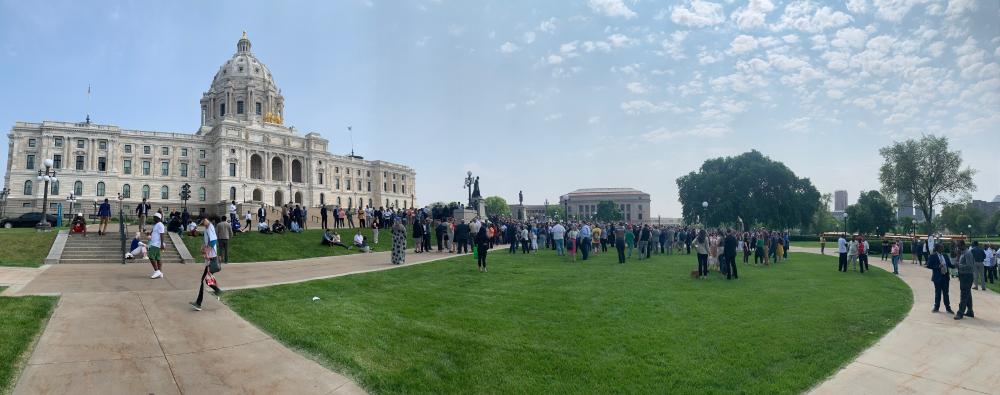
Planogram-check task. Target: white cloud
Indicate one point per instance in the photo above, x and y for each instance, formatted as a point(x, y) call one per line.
point(937, 48)
point(703, 130)
point(612, 8)
point(591, 46)
point(798, 125)
point(857, 6)
point(569, 49)
point(594, 119)
point(849, 37)
point(705, 57)
point(636, 87)
point(548, 26)
point(553, 117)
point(674, 45)
point(510, 106)
point(742, 44)
point(619, 40)
point(790, 38)
point(959, 7)
point(700, 14)
point(895, 10)
point(529, 37)
point(422, 41)
point(456, 30)
point(629, 69)
point(509, 47)
point(805, 16)
point(554, 59)
point(640, 107)
point(753, 15)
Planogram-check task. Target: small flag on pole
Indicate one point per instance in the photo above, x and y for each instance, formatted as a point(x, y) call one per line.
point(88, 89)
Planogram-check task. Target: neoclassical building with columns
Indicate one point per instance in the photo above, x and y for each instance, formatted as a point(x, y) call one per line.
point(242, 151)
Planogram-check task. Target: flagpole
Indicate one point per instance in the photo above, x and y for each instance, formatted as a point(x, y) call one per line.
point(88, 104)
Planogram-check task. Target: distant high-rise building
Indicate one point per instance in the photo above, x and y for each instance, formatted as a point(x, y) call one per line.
point(904, 205)
point(839, 200)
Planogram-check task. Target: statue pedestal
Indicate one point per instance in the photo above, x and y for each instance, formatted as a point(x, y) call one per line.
point(464, 213)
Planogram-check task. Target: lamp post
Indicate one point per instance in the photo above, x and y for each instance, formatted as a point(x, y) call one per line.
point(970, 232)
point(845, 222)
point(244, 193)
point(913, 229)
point(290, 197)
point(45, 175)
point(121, 226)
point(71, 199)
point(468, 185)
point(704, 205)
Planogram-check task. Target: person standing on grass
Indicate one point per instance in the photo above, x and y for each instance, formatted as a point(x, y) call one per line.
point(323, 219)
point(418, 236)
point(224, 231)
point(262, 214)
point(863, 254)
point(571, 237)
point(375, 233)
point(894, 252)
point(822, 245)
point(701, 249)
point(629, 241)
point(156, 244)
point(619, 232)
point(398, 243)
point(559, 238)
point(249, 219)
point(585, 240)
point(842, 252)
point(966, 270)
point(349, 215)
point(729, 249)
point(939, 264)
point(208, 250)
point(482, 247)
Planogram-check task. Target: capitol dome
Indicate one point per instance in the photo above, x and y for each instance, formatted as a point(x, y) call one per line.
point(243, 91)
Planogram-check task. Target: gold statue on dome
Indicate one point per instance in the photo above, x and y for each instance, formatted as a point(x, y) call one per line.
point(273, 118)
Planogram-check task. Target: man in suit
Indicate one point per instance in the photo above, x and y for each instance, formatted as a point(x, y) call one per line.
point(323, 217)
point(939, 263)
point(462, 233)
point(261, 214)
point(729, 248)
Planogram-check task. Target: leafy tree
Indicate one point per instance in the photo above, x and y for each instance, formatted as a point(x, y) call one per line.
point(872, 213)
point(823, 221)
point(555, 211)
point(957, 218)
point(608, 211)
point(750, 186)
point(496, 205)
point(927, 171)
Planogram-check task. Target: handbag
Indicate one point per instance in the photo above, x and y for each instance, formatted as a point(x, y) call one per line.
point(214, 266)
point(210, 280)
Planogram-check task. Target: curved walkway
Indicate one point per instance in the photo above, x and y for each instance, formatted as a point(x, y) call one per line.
point(115, 331)
point(926, 353)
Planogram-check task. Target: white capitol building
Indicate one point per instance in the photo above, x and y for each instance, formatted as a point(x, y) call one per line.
point(242, 152)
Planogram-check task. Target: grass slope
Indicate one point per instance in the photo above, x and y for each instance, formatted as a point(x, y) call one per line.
point(21, 320)
point(539, 324)
point(24, 246)
point(259, 247)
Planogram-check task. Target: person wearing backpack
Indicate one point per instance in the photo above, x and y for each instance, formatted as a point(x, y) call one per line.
point(863, 254)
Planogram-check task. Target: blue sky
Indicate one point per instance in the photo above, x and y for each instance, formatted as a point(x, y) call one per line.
point(544, 97)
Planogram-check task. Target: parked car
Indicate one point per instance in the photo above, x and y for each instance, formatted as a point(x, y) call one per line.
point(28, 220)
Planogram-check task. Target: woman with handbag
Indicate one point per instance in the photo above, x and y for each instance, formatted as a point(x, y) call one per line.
point(208, 250)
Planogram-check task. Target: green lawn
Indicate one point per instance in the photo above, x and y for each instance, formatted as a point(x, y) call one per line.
point(24, 246)
point(22, 320)
point(259, 247)
point(539, 324)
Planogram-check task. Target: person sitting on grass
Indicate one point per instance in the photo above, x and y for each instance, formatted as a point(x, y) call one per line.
point(192, 229)
point(278, 227)
point(137, 249)
point(262, 226)
point(333, 239)
point(295, 227)
point(361, 242)
point(79, 224)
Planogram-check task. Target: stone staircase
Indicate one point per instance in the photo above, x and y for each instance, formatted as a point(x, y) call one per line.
point(107, 249)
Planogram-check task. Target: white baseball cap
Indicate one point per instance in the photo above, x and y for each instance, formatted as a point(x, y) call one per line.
point(158, 215)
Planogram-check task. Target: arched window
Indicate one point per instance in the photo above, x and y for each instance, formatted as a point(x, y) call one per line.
point(78, 188)
point(256, 167)
point(350, 203)
point(258, 195)
point(164, 192)
point(232, 194)
point(27, 187)
point(126, 191)
point(298, 197)
point(397, 203)
point(279, 198)
point(55, 188)
point(100, 188)
point(145, 191)
point(322, 199)
point(370, 203)
point(338, 200)
point(277, 170)
point(201, 194)
point(296, 171)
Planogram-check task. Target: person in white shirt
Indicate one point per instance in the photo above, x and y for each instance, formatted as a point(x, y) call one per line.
point(156, 244)
point(842, 251)
point(359, 241)
point(249, 219)
point(209, 249)
point(559, 237)
point(991, 263)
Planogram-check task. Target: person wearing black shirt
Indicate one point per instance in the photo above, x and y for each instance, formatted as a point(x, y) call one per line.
point(482, 246)
point(462, 231)
point(322, 217)
point(729, 249)
point(418, 237)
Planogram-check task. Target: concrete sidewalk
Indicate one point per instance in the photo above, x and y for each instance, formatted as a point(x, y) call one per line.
point(115, 331)
point(926, 353)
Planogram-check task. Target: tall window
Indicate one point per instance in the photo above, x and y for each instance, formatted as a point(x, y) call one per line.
point(78, 188)
point(256, 167)
point(404, 188)
point(79, 162)
point(359, 185)
point(232, 193)
point(385, 186)
point(146, 150)
point(164, 151)
point(164, 193)
point(127, 166)
point(145, 167)
point(184, 169)
point(79, 143)
point(145, 191)
point(30, 164)
point(59, 142)
point(57, 161)
point(126, 191)
point(201, 171)
point(393, 188)
point(258, 108)
point(128, 148)
point(222, 109)
point(100, 188)
point(201, 194)
point(32, 143)
point(102, 164)
point(55, 188)
point(336, 183)
point(232, 170)
point(201, 154)
point(348, 182)
point(320, 178)
point(164, 168)
point(296, 171)
point(103, 144)
point(184, 152)
point(239, 106)
point(27, 188)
